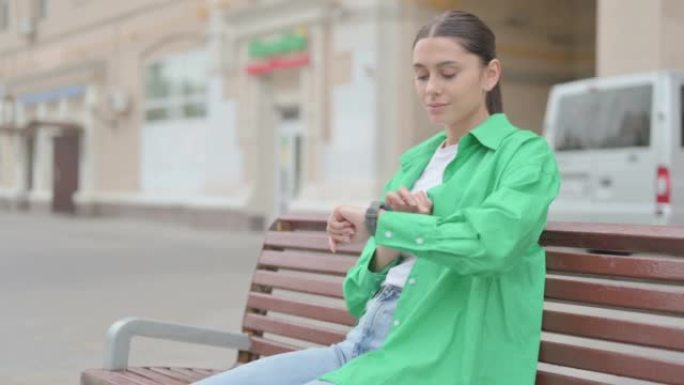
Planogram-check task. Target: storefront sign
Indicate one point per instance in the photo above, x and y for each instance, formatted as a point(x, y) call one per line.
point(281, 45)
point(278, 63)
point(288, 50)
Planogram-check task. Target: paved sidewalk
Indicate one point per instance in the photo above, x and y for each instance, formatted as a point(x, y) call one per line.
point(64, 280)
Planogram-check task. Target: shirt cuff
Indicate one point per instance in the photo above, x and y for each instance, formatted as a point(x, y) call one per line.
point(405, 231)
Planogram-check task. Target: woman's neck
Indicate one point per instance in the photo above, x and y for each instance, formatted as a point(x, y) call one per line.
point(456, 131)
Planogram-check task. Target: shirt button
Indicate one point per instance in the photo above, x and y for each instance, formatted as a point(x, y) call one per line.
point(412, 281)
point(420, 241)
point(388, 234)
point(396, 322)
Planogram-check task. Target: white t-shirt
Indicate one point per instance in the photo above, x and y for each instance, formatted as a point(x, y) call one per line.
point(432, 176)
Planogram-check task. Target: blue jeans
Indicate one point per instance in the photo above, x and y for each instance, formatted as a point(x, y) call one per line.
point(304, 367)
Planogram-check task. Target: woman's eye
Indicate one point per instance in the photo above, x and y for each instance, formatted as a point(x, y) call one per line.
point(422, 77)
point(448, 76)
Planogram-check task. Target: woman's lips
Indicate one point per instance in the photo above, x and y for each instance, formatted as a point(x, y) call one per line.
point(436, 108)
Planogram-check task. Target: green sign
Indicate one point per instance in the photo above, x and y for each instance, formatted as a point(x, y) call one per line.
point(287, 43)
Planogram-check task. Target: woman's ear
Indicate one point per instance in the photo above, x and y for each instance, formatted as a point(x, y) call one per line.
point(492, 74)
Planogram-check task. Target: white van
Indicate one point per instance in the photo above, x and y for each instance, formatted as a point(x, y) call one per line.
point(620, 148)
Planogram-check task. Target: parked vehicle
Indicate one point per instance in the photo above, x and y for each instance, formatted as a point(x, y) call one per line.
point(620, 147)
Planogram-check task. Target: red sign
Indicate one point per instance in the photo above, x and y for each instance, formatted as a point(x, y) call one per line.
point(278, 63)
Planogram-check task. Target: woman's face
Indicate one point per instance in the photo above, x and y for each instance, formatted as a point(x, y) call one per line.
point(451, 82)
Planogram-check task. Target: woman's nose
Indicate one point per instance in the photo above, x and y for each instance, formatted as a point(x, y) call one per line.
point(432, 87)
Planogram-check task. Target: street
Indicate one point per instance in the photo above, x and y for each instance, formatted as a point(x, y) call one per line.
point(64, 280)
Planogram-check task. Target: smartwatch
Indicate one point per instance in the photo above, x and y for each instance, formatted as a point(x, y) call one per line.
point(372, 215)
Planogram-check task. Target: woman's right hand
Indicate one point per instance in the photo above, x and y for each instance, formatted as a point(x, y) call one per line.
point(346, 224)
point(405, 201)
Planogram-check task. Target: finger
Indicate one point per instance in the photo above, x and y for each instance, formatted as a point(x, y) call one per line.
point(423, 206)
point(340, 239)
point(422, 195)
point(340, 225)
point(430, 205)
point(420, 203)
point(337, 236)
point(342, 233)
point(427, 199)
point(331, 228)
point(335, 215)
point(398, 203)
point(407, 197)
point(333, 219)
point(403, 192)
point(427, 203)
point(394, 201)
point(331, 244)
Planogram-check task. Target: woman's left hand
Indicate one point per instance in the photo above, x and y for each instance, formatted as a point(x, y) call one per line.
point(405, 201)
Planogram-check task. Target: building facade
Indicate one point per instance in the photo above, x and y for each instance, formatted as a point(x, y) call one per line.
point(229, 112)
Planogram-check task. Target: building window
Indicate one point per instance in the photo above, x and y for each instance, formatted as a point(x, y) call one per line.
point(176, 87)
point(41, 9)
point(4, 15)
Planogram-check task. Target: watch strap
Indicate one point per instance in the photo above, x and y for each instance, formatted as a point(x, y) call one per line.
point(371, 217)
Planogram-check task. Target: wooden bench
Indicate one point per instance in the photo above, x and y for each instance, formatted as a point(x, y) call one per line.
point(608, 319)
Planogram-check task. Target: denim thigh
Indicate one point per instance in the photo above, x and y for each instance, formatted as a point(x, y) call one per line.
point(373, 327)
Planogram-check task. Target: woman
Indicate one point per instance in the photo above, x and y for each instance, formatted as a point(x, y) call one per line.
point(449, 287)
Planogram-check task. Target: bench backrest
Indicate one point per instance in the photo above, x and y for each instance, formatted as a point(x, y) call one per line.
point(606, 315)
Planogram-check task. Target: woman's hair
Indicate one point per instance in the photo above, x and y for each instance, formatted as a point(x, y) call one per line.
point(475, 36)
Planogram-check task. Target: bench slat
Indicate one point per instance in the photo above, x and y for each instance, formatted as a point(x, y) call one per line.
point(156, 377)
point(317, 263)
point(617, 237)
point(612, 362)
point(303, 309)
point(302, 221)
point(633, 266)
point(182, 377)
point(142, 376)
point(206, 372)
point(628, 331)
point(195, 373)
point(662, 298)
point(284, 328)
point(265, 347)
point(101, 377)
point(282, 280)
point(203, 371)
point(313, 241)
point(550, 378)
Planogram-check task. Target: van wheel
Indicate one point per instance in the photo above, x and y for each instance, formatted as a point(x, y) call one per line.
point(609, 252)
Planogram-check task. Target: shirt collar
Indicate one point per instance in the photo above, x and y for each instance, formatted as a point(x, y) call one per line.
point(490, 133)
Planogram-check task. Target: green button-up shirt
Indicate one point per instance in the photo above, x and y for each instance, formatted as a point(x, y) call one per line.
point(471, 312)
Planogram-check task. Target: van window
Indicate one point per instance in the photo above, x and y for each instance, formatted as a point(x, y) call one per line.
point(614, 118)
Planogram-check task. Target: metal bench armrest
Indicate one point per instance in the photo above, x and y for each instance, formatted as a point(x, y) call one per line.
point(121, 332)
